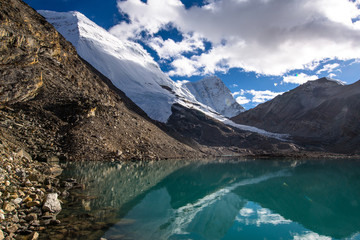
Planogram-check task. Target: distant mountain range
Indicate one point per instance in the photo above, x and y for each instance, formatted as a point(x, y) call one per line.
point(323, 114)
point(112, 101)
point(133, 71)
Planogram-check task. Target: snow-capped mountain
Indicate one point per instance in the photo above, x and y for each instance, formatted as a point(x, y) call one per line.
point(212, 92)
point(125, 63)
point(132, 69)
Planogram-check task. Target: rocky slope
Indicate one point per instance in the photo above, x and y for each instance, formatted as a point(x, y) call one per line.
point(54, 104)
point(322, 114)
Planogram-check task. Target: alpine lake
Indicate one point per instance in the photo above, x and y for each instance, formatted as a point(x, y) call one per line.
point(207, 200)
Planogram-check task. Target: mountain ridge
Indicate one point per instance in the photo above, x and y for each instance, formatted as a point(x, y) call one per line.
point(321, 113)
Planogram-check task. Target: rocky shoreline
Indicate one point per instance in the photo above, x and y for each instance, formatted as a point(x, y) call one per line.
point(30, 194)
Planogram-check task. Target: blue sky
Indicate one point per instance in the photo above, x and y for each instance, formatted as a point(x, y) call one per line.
point(259, 48)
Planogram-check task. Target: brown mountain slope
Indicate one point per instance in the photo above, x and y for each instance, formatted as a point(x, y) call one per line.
point(51, 101)
point(322, 114)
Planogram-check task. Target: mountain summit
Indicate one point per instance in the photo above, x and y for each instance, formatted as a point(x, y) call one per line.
point(133, 70)
point(212, 92)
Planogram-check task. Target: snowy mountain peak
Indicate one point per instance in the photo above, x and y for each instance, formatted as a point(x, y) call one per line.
point(134, 71)
point(211, 79)
point(125, 63)
point(212, 92)
point(64, 22)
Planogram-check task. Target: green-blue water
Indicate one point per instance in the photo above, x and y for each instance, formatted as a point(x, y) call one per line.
point(253, 199)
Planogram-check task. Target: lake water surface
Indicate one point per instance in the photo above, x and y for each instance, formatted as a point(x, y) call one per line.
point(232, 199)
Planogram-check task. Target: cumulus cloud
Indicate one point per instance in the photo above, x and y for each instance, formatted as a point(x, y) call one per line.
point(256, 96)
point(299, 78)
point(242, 100)
point(241, 92)
point(267, 37)
point(328, 68)
point(262, 96)
point(184, 67)
point(332, 75)
point(169, 48)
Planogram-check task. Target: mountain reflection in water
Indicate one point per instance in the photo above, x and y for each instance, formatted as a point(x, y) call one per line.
point(253, 199)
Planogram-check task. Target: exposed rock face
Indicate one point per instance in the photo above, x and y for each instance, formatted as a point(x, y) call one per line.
point(322, 113)
point(52, 102)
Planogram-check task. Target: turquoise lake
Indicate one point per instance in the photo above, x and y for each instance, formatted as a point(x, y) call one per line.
point(219, 199)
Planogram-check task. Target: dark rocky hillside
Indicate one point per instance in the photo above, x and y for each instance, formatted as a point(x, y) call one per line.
point(195, 125)
point(321, 114)
point(52, 103)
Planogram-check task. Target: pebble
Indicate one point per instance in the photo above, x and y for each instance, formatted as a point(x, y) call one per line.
point(30, 217)
point(52, 203)
point(17, 201)
point(25, 189)
point(9, 207)
point(11, 228)
point(34, 236)
point(33, 204)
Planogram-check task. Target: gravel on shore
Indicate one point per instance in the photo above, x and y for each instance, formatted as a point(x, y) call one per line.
point(30, 193)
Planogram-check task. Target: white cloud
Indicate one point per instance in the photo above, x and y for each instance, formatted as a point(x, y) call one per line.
point(332, 75)
point(169, 48)
point(267, 37)
point(241, 92)
point(257, 96)
point(328, 68)
point(184, 67)
point(356, 61)
point(242, 100)
point(262, 96)
point(150, 17)
point(299, 78)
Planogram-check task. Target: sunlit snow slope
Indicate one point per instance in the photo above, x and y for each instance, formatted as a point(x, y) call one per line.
point(133, 70)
